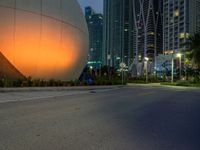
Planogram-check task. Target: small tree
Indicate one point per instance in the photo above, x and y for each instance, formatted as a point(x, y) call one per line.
point(192, 60)
point(193, 54)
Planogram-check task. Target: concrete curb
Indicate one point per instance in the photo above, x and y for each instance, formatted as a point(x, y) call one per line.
point(74, 88)
point(165, 86)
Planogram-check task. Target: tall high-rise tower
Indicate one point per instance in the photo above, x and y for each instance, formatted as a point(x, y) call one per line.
point(132, 30)
point(181, 19)
point(118, 32)
point(95, 27)
point(148, 19)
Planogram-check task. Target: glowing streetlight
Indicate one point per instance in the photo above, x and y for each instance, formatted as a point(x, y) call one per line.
point(91, 67)
point(179, 55)
point(146, 67)
point(122, 68)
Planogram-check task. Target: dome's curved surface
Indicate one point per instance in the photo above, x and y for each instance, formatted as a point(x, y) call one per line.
point(46, 39)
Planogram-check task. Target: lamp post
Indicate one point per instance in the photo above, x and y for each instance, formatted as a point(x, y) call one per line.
point(91, 68)
point(146, 68)
point(172, 69)
point(122, 67)
point(180, 65)
point(100, 69)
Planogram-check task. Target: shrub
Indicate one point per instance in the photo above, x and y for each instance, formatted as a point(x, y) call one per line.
point(196, 78)
point(168, 83)
point(142, 79)
point(1, 83)
point(183, 83)
point(17, 83)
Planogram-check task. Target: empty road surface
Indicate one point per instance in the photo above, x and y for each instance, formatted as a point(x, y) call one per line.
point(126, 118)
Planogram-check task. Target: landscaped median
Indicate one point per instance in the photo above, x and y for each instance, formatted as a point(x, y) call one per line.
point(178, 83)
point(182, 83)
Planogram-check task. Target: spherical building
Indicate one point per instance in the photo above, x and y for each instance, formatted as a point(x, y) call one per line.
point(45, 39)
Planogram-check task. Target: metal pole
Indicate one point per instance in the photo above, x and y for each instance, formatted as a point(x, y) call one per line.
point(180, 65)
point(155, 68)
point(185, 67)
point(100, 71)
point(146, 63)
point(172, 70)
point(122, 77)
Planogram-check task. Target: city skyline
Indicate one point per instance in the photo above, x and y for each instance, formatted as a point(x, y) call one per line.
point(137, 30)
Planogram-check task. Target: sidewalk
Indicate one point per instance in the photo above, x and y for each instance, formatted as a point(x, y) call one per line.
point(34, 93)
point(72, 88)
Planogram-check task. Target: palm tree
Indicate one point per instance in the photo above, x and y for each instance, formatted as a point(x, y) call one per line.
point(193, 54)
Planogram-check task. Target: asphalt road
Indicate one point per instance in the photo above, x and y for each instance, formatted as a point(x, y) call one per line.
point(128, 118)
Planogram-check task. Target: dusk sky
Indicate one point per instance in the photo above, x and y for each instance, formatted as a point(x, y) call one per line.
point(97, 5)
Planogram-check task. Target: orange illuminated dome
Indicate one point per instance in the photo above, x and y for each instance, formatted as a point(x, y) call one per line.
point(46, 39)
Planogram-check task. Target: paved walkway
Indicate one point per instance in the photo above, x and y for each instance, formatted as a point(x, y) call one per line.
point(23, 94)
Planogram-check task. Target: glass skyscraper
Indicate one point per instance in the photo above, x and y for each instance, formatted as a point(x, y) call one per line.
point(148, 19)
point(95, 28)
point(132, 30)
point(118, 42)
point(135, 29)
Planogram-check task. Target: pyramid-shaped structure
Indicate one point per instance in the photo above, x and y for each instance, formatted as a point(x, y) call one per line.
point(7, 70)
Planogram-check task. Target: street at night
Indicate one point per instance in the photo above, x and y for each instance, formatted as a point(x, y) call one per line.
point(134, 117)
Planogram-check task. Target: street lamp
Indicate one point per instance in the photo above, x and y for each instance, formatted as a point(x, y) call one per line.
point(146, 67)
point(122, 68)
point(180, 65)
point(172, 69)
point(91, 68)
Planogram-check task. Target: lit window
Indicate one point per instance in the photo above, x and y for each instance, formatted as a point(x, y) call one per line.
point(176, 13)
point(187, 35)
point(150, 46)
point(184, 35)
point(151, 33)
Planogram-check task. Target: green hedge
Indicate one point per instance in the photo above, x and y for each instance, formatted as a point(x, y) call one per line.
point(182, 83)
point(168, 83)
point(29, 82)
point(142, 79)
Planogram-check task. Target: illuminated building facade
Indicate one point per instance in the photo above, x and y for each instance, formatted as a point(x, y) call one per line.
point(118, 42)
point(181, 19)
point(148, 19)
point(132, 31)
point(95, 27)
point(45, 39)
